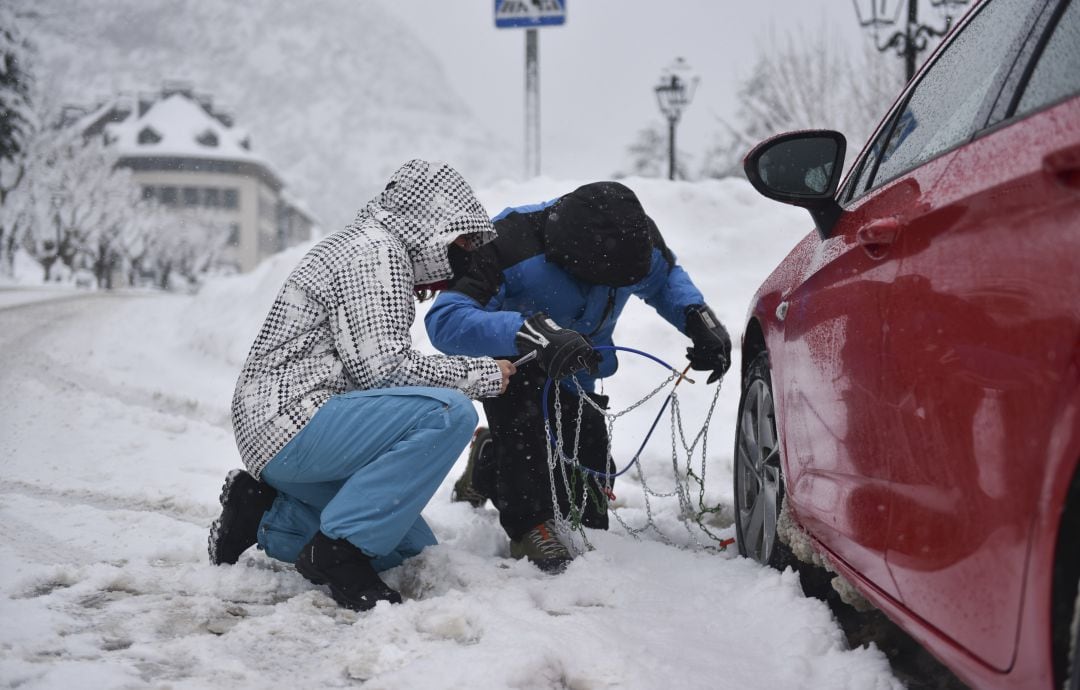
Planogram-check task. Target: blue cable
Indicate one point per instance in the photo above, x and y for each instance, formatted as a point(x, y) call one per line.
point(605, 475)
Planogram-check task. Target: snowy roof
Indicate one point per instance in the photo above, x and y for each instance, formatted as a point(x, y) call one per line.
point(177, 126)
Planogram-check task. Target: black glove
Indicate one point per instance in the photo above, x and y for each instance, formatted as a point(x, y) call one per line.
point(562, 351)
point(712, 345)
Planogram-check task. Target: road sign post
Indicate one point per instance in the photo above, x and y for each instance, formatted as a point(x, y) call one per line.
point(532, 103)
point(530, 14)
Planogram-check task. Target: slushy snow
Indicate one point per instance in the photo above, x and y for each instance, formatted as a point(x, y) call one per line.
point(115, 438)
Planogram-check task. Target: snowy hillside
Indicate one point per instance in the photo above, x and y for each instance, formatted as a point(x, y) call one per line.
point(115, 439)
point(336, 93)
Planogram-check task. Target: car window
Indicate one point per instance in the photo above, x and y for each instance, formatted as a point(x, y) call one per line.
point(1057, 73)
point(942, 110)
point(870, 162)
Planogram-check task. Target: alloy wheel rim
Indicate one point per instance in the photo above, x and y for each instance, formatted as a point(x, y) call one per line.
point(758, 472)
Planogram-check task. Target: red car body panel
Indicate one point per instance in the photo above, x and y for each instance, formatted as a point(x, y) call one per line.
point(927, 391)
point(834, 389)
point(983, 318)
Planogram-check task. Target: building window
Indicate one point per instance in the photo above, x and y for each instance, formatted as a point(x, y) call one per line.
point(149, 136)
point(191, 196)
point(231, 198)
point(207, 138)
point(234, 234)
point(212, 197)
point(168, 196)
point(149, 193)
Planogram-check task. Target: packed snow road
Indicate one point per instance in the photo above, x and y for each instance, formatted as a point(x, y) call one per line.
point(114, 439)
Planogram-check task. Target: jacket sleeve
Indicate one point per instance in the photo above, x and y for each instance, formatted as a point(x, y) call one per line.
point(371, 324)
point(669, 290)
point(468, 319)
point(457, 325)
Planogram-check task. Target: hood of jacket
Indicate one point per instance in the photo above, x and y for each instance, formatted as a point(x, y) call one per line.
point(600, 234)
point(427, 205)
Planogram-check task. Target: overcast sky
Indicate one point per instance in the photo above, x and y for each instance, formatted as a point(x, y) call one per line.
point(597, 72)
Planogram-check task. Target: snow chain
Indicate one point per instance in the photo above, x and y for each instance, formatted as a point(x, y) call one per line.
point(578, 483)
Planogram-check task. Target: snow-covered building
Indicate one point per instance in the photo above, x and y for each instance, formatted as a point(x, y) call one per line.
point(189, 156)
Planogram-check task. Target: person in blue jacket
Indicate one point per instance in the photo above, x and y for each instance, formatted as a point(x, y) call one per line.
point(555, 281)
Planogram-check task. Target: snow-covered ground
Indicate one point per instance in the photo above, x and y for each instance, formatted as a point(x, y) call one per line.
point(114, 439)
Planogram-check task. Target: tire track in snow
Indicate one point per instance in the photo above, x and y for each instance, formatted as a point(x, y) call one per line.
point(167, 506)
point(55, 374)
point(37, 323)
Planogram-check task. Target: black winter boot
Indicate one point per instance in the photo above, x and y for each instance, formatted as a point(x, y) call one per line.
point(244, 499)
point(477, 484)
point(347, 570)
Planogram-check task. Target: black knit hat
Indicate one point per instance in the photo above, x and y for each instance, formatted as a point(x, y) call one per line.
point(599, 234)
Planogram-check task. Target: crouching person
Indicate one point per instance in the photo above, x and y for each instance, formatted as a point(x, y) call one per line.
point(346, 431)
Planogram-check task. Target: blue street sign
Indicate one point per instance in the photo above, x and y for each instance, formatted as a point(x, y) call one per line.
point(529, 13)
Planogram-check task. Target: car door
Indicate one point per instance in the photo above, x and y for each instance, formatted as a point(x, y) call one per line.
point(980, 323)
point(833, 372)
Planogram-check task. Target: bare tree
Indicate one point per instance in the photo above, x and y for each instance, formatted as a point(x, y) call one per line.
point(807, 81)
point(875, 82)
point(648, 155)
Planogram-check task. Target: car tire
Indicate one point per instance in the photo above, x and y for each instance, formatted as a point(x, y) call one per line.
point(759, 478)
point(1072, 681)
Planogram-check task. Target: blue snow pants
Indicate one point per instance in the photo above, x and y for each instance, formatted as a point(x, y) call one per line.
point(363, 468)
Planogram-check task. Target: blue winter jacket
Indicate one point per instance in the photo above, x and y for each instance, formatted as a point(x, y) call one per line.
point(510, 278)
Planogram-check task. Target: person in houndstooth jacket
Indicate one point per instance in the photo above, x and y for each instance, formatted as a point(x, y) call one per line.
point(345, 429)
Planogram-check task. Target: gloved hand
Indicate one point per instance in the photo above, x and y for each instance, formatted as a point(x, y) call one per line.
point(561, 351)
point(712, 345)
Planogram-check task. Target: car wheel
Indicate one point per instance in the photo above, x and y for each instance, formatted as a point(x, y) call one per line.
point(759, 482)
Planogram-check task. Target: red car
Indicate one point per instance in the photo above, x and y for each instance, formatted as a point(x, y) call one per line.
point(911, 371)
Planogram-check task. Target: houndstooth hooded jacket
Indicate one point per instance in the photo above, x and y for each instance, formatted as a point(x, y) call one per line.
point(341, 321)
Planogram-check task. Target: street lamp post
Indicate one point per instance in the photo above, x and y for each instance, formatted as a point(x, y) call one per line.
point(673, 94)
point(914, 37)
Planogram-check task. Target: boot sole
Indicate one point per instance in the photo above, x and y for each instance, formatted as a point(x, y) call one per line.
point(551, 566)
point(216, 531)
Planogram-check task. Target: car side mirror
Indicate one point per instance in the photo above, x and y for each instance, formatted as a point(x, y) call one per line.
point(801, 169)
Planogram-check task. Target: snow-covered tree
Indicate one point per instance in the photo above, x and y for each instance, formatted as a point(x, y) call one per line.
point(16, 122)
point(108, 245)
point(76, 202)
point(183, 246)
point(148, 223)
point(79, 211)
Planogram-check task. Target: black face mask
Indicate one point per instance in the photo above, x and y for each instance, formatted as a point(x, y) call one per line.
point(460, 260)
